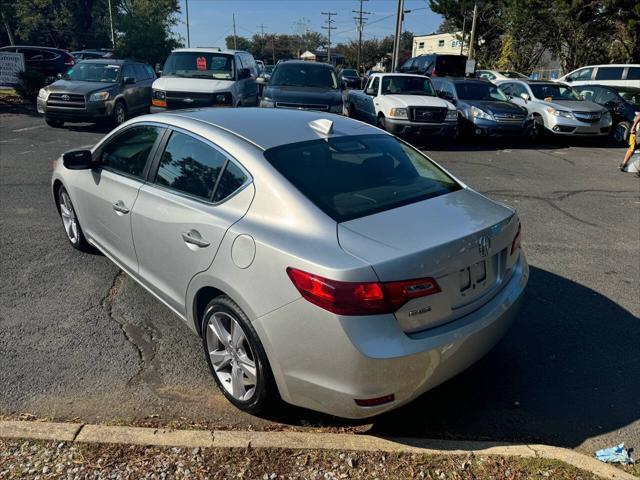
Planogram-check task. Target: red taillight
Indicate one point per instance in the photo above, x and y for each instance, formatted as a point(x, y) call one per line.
point(69, 61)
point(354, 298)
point(515, 245)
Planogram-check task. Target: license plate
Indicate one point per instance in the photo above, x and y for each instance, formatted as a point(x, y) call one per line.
point(473, 278)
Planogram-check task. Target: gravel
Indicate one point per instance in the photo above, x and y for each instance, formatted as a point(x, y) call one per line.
point(46, 460)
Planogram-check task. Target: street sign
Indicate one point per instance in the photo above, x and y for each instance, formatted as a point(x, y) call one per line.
point(10, 65)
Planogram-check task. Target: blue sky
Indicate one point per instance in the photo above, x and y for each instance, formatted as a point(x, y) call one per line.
point(211, 20)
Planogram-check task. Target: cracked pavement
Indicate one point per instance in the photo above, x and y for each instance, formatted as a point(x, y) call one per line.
point(81, 340)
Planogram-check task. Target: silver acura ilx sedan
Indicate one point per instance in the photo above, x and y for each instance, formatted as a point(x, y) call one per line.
point(320, 259)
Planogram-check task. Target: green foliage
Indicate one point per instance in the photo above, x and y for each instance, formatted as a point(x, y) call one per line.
point(30, 82)
point(238, 43)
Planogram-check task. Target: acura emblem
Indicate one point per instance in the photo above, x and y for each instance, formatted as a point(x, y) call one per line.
point(484, 245)
point(65, 97)
point(188, 100)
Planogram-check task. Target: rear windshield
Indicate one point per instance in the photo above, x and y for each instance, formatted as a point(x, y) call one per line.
point(552, 91)
point(199, 65)
point(451, 65)
point(354, 176)
point(479, 91)
point(407, 85)
point(304, 75)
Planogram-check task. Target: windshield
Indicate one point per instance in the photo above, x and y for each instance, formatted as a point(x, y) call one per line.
point(349, 73)
point(479, 91)
point(513, 75)
point(304, 75)
point(407, 86)
point(631, 95)
point(199, 65)
point(93, 72)
point(354, 176)
point(552, 91)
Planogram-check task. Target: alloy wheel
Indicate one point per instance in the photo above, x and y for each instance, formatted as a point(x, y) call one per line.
point(120, 114)
point(69, 219)
point(231, 356)
point(620, 133)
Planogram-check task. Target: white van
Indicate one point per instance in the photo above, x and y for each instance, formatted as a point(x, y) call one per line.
point(622, 75)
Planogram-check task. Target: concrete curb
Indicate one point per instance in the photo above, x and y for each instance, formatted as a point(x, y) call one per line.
point(78, 432)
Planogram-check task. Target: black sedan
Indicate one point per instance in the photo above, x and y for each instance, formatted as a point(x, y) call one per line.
point(622, 102)
point(350, 78)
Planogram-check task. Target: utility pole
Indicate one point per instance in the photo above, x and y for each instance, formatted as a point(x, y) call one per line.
point(235, 40)
point(113, 38)
point(329, 27)
point(396, 41)
point(186, 2)
point(262, 27)
point(472, 41)
point(464, 25)
point(361, 22)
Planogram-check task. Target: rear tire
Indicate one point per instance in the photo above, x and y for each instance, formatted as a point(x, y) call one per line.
point(236, 358)
point(54, 123)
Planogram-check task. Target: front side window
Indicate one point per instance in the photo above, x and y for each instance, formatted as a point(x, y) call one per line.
point(93, 72)
point(479, 91)
point(609, 73)
point(553, 91)
point(129, 72)
point(190, 166)
point(407, 85)
point(354, 176)
point(304, 75)
point(582, 74)
point(375, 84)
point(128, 152)
point(199, 65)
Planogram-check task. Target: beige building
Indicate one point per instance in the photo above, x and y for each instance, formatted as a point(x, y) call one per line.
point(444, 43)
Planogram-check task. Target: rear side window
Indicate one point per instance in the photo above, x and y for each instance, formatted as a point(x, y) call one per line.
point(231, 180)
point(633, 73)
point(128, 152)
point(190, 166)
point(609, 73)
point(354, 176)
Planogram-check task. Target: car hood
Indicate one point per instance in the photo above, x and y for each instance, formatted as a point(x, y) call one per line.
point(418, 101)
point(67, 86)
point(575, 105)
point(495, 106)
point(309, 95)
point(195, 85)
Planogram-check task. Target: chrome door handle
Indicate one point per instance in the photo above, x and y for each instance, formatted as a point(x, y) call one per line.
point(194, 238)
point(120, 207)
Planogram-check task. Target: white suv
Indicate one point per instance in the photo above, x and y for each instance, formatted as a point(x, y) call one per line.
point(206, 77)
point(620, 75)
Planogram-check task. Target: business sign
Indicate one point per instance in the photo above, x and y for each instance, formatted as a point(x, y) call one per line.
point(10, 65)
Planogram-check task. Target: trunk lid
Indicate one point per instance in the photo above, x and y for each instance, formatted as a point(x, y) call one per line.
point(461, 239)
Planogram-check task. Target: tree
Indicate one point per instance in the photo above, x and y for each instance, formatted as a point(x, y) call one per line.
point(145, 29)
point(237, 42)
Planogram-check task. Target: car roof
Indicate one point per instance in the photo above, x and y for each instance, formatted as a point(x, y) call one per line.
point(465, 80)
point(54, 49)
point(268, 127)
point(208, 50)
point(610, 87)
point(607, 65)
point(304, 62)
point(109, 61)
point(382, 74)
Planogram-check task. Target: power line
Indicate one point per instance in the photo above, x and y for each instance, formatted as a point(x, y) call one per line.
point(329, 26)
point(361, 19)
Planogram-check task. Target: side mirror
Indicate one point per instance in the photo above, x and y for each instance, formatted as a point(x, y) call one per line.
point(370, 91)
point(129, 80)
point(59, 76)
point(244, 73)
point(77, 159)
point(525, 97)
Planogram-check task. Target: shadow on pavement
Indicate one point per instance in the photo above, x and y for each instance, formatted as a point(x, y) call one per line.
point(567, 371)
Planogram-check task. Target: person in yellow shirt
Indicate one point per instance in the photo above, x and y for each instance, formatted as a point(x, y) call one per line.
point(633, 138)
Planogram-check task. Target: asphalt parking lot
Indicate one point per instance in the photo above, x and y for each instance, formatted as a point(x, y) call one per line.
point(79, 340)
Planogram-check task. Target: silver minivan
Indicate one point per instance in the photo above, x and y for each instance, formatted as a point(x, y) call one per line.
point(206, 77)
point(557, 109)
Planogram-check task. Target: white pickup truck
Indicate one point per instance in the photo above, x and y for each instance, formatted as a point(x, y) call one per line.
point(402, 104)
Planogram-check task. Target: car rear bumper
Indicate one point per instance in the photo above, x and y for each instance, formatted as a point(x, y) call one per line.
point(91, 111)
point(406, 127)
point(325, 362)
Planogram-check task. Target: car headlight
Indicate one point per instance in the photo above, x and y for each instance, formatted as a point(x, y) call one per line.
point(267, 103)
point(159, 95)
point(43, 94)
point(452, 115)
point(479, 113)
point(559, 113)
point(399, 113)
point(335, 108)
point(99, 97)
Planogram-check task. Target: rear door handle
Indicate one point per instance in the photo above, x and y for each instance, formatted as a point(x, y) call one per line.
point(120, 207)
point(193, 237)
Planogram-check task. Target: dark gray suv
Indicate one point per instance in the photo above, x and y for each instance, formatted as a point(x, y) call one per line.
point(98, 90)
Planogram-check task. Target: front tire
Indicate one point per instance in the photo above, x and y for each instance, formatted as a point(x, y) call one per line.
point(539, 130)
point(236, 357)
point(382, 122)
point(70, 221)
point(620, 132)
point(119, 115)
